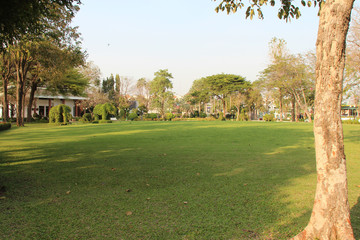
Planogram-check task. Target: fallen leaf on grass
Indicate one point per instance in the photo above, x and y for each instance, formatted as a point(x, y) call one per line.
point(68, 192)
point(128, 213)
point(185, 202)
point(113, 169)
point(128, 190)
point(148, 198)
point(198, 174)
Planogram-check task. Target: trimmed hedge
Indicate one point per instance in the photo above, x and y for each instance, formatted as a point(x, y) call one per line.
point(104, 110)
point(4, 126)
point(351, 121)
point(60, 114)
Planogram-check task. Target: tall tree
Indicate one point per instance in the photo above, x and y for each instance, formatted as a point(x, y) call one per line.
point(330, 217)
point(108, 87)
point(143, 92)
point(352, 66)
point(6, 73)
point(222, 85)
point(160, 90)
point(199, 93)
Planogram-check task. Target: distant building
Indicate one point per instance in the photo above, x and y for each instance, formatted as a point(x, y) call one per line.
point(44, 101)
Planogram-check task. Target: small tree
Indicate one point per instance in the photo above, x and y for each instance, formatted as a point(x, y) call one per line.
point(104, 110)
point(60, 114)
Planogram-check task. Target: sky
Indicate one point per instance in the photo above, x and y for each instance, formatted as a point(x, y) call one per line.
point(139, 37)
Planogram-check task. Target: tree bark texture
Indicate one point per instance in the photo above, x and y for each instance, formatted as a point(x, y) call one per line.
point(5, 101)
point(31, 100)
point(330, 217)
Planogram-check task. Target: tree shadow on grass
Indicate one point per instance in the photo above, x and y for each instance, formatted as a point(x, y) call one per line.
point(355, 219)
point(232, 180)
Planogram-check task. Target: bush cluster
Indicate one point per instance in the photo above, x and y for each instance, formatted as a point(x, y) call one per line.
point(87, 117)
point(60, 114)
point(351, 121)
point(133, 116)
point(268, 117)
point(151, 116)
point(4, 126)
point(104, 111)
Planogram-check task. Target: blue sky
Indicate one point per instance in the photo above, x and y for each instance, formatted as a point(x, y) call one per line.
point(187, 37)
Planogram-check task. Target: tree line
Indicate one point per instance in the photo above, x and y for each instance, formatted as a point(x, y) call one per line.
point(48, 56)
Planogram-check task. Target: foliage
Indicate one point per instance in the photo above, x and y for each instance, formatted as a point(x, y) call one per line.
point(160, 90)
point(169, 116)
point(151, 116)
point(4, 126)
point(87, 117)
point(287, 9)
point(268, 117)
point(108, 87)
point(104, 110)
point(133, 116)
point(60, 114)
point(142, 109)
point(221, 117)
point(351, 121)
point(24, 16)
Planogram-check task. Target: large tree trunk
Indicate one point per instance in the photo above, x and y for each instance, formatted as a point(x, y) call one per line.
point(330, 217)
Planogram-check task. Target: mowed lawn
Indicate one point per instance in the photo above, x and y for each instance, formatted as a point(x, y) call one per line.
point(163, 180)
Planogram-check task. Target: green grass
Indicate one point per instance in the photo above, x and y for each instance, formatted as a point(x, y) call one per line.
point(180, 180)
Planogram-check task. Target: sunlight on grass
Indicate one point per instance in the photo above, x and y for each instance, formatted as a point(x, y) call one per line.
point(282, 150)
point(20, 163)
point(233, 172)
point(180, 180)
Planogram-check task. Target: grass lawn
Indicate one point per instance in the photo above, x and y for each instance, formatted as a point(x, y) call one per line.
point(163, 180)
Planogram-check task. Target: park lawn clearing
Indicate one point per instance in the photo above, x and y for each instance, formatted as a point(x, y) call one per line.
point(163, 180)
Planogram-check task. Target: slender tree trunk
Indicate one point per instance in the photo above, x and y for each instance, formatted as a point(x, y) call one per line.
point(19, 100)
point(330, 217)
point(31, 100)
point(281, 105)
point(5, 101)
point(293, 103)
point(306, 106)
point(238, 113)
point(224, 106)
point(297, 112)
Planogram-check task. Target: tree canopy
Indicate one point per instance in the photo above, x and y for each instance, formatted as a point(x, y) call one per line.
point(19, 17)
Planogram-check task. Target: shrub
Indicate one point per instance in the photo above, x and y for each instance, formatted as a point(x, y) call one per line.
point(87, 117)
point(351, 121)
point(4, 126)
point(104, 110)
point(60, 114)
point(169, 116)
point(203, 115)
point(152, 116)
point(268, 117)
point(221, 117)
point(133, 116)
